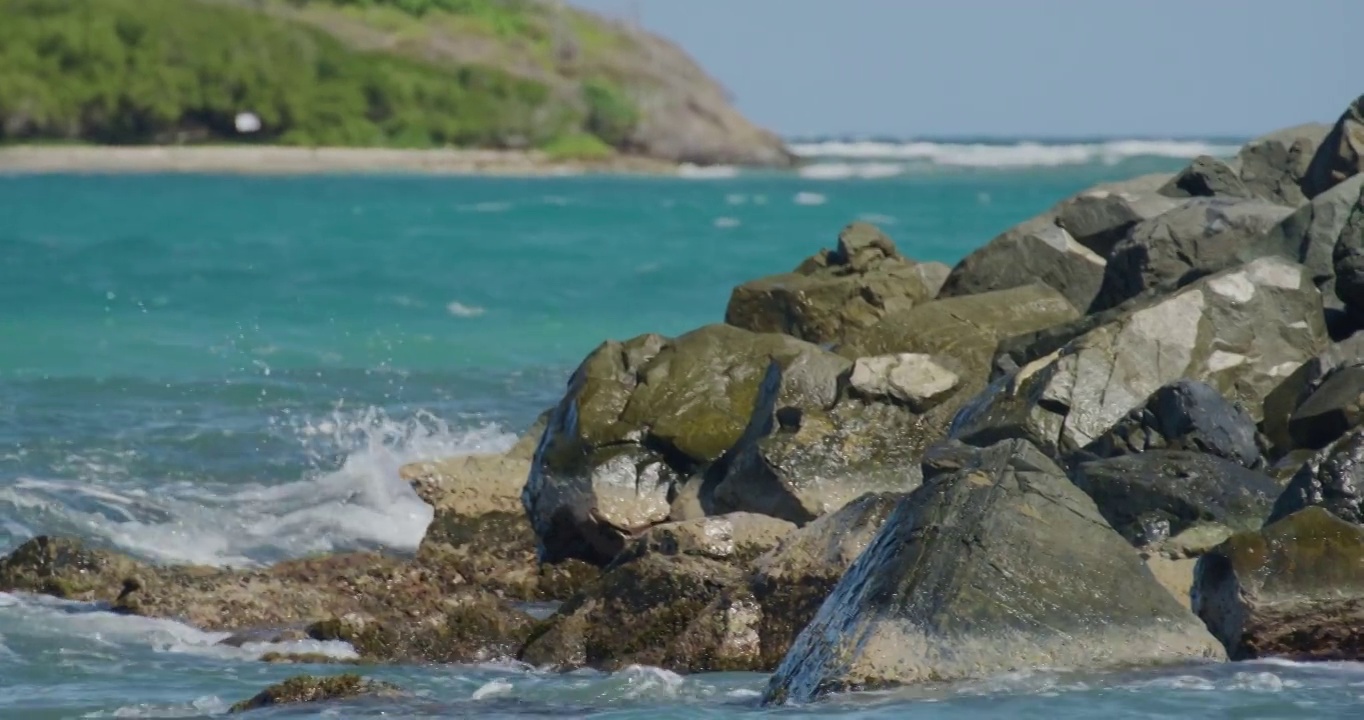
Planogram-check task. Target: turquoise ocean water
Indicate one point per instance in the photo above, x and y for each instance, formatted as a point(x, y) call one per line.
point(230, 370)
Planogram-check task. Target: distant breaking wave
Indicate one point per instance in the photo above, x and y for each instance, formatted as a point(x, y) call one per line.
point(883, 158)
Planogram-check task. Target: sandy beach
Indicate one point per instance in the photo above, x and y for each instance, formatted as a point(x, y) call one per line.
point(279, 160)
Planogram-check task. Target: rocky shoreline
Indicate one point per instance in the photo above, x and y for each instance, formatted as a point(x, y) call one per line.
point(1126, 432)
point(283, 160)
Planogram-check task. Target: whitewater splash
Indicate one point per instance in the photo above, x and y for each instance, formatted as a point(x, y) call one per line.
point(843, 159)
point(360, 504)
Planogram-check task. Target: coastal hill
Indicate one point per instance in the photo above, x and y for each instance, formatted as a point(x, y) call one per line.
point(498, 74)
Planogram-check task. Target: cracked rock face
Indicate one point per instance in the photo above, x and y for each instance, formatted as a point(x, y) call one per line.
point(1241, 331)
point(997, 563)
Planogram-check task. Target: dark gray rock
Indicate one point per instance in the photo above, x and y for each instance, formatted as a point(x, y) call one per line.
point(1174, 490)
point(1184, 415)
point(1035, 251)
point(1333, 479)
point(999, 565)
point(1340, 155)
point(1285, 399)
point(1206, 176)
point(1309, 235)
point(1337, 405)
point(1202, 236)
point(1102, 215)
point(1273, 167)
point(1348, 261)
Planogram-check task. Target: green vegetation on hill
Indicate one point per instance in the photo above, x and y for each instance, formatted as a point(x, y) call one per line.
point(316, 72)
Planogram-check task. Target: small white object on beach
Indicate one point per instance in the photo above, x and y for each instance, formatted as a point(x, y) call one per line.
point(247, 122)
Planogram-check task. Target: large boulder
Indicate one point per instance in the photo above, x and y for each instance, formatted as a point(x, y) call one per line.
point(1206, 176)
point(963, 332)
point(998, 565)
point(1102, 215)
point(1242, 331)
point(1309, 235)
point(1274, 167)
point(1332, 478)
point(1289, 396)
point(1340, 155)
point(1203, 235)
point(1035, 251)
point(1335, 406)
point(1151, 496)
point(640, 417)
point(862, 279)
point(1184, 415)
point(1293, 589)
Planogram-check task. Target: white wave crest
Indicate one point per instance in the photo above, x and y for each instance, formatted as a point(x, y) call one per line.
point(362, 503)
point(706, 172)
point(991, 155)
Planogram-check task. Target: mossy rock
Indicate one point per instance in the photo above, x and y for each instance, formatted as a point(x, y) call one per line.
point(313, 689)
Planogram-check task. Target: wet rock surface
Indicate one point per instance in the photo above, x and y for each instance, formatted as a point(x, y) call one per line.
point(313, 690)
point(997, 565)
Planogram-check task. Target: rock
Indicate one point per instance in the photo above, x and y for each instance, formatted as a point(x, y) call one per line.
point(1273, 167)
point(1203, 235)
point(632, 615)
point(1101, 216)
point(1242, 331)
point(1347, 259)
point(1340, 155)
point(472, 627)
point(810, 463)
point(1293, 589)
point(736, 537)
point(1149, 497)
point(853, 286)
point(65, 568)
point(1332, 478)
point(1184, 415)
point(911, 378)
point(310, 689)
point(1308, 235)
point(1001, 565)
point(1337, 405)
point(480, 535)
point(963, 332)
point(524, 449)
point(1206, 176)
point(750, 626)
point(641, 416)
point(1300, 384)
point(1035, 251)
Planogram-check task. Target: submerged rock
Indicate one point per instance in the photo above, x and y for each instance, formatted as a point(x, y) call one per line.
point(1341, 153)
point(1203, 235)
point(640, 417)
point(1151, 496)
point(1242, 331)
point(999, 565)
point(1294, 589)
point(852, 286)
point(311, 689)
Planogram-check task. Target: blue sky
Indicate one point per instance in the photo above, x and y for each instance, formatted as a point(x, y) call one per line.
point(1022, 67)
